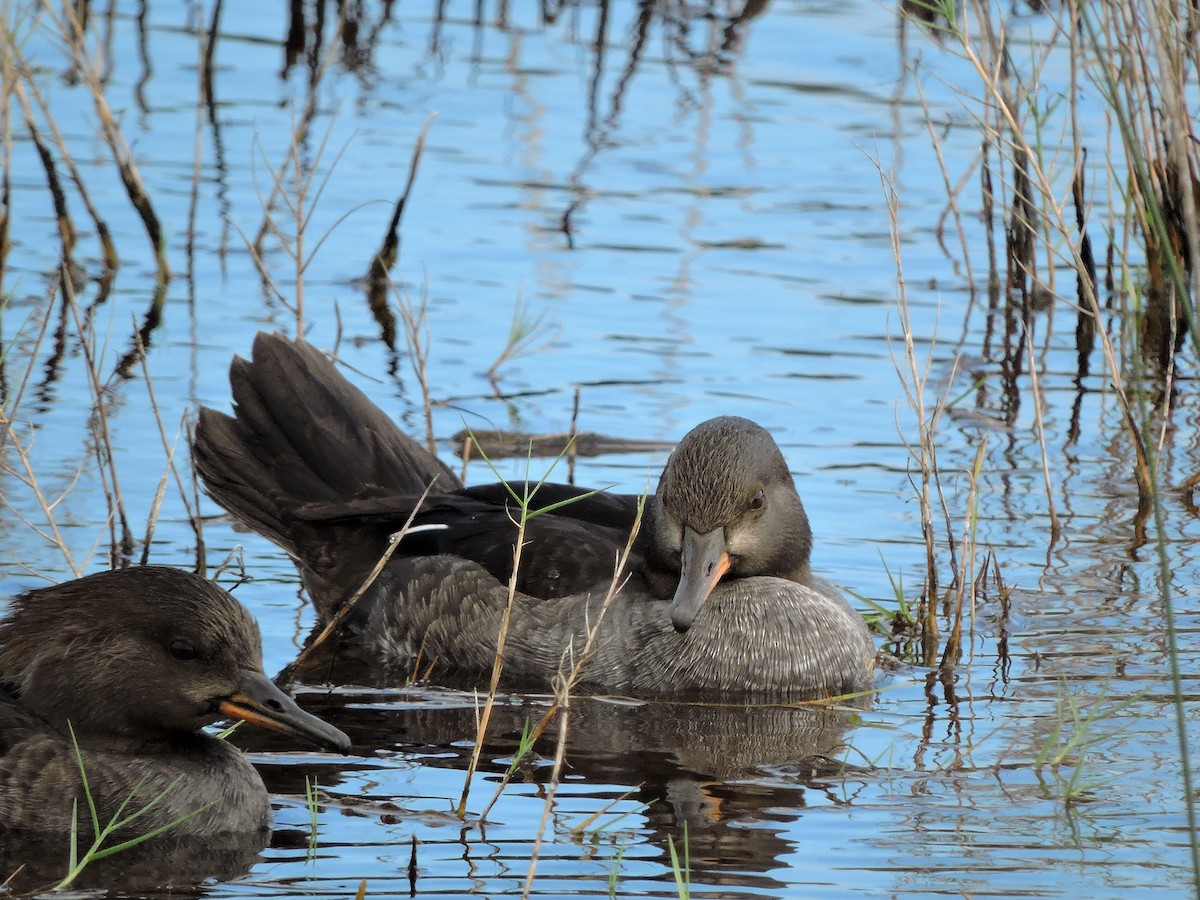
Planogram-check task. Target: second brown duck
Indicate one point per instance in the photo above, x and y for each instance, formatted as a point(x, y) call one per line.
point(718, 598)
point(121, 670)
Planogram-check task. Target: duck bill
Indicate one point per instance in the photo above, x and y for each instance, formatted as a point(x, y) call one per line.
point(705, 559)
point(258, 701)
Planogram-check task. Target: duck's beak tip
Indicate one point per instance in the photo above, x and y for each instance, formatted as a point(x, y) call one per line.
point(681, 620)
point(260, 702)
point(705, 560)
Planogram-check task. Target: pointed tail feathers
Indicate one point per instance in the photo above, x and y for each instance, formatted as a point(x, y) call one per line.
point(302, 434)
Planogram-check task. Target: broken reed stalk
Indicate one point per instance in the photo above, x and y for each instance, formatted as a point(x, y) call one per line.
point(378, 274)
point(572, 434)
point(73, 33)
point(107, 248)
point(196, 519)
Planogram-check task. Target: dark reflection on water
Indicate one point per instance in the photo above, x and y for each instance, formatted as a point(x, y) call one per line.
point(722, 775)
point(165, 866)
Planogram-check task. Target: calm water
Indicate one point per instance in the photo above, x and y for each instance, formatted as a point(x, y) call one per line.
point(694, 212)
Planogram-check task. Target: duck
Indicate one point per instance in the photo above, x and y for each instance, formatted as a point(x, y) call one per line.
point(112, 677)
point(716, 597)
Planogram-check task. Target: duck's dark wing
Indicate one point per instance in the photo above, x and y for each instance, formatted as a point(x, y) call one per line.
point(572, 540)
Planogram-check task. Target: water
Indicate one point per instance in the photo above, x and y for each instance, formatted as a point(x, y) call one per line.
point(727, 250)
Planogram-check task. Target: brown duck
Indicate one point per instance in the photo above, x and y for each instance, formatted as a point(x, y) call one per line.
point(134, 662)
point(719, 597)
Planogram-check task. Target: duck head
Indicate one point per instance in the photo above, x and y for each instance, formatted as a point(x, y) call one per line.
point(726, 507)
point(144, 653)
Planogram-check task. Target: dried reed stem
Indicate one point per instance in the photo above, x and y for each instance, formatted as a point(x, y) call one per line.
point(952, 193)
point(72, 31)
point(121, 546)
point(563, 687)
point(497, 662)
point(913, 378)
point(997, 94)
point(416, 331)
point(567, 679)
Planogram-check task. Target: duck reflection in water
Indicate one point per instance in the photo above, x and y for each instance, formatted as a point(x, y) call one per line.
point(734, 775)
point(718, 596)
point(128, 666)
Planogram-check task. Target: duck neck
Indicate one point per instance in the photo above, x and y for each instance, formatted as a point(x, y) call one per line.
point(659, 571)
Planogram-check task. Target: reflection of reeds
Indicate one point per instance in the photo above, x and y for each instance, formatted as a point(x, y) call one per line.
point(18, 76)
point(1139, 64)
point(72, 30)
point(19, 439)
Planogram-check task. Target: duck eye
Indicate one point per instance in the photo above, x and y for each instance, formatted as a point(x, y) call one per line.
point(759, 500)
point(182, 650)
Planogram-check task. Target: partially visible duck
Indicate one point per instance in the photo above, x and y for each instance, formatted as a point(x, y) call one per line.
point(719, 595)
point(133, 663)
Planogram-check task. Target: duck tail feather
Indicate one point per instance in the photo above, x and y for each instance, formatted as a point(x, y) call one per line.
point(239, 481)
point(302, 434)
